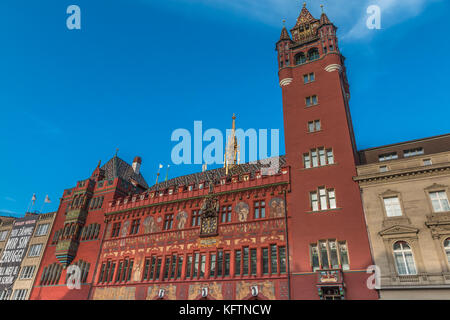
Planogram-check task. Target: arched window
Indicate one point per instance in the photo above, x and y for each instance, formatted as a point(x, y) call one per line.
point(447, 248)
point(313, 54)
point(404, 259)
point(300, 58)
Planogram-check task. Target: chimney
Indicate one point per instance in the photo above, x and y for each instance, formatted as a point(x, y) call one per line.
point(137, 164)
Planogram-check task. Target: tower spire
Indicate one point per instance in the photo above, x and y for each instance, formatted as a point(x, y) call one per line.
point(232, 148)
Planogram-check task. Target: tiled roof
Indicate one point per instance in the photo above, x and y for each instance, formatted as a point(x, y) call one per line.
point(213, 174)
point(116, 167)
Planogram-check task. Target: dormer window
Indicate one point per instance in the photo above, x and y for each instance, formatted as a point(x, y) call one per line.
point(388, 156)
point(170, 191)
point(413, 152)
point(200, 186)
point(190, 188)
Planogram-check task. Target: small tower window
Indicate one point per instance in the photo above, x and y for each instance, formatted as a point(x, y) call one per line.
point(313, 54)
point(300, 58)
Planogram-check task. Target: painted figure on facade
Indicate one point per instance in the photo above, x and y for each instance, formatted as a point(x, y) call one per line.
point(242, 211)
point(150, 225)
point(181, 218)
point(276, 206)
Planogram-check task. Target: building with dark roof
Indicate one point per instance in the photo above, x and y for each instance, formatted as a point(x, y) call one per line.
point(238, 232)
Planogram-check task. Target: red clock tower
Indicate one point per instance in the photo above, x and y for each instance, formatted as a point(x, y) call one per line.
point(328, 243)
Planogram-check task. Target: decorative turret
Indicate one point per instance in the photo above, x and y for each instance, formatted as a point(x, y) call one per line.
point(137, 164)
point(283, 46)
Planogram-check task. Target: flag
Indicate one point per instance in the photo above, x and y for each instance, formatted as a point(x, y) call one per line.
point(47, 199)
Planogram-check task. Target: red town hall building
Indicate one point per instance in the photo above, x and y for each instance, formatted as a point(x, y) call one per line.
point(232, 232)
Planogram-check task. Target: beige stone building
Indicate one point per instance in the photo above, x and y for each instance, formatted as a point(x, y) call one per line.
point(405, 192)
point(6, 224)
point(30, 263)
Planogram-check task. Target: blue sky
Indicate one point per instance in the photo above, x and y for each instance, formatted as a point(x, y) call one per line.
point(139, 69)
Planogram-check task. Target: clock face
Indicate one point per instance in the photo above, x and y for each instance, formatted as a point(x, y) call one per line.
point(209, 225)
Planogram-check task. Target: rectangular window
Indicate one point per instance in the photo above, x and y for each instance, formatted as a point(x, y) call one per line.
point(306, 161)
point(130, 269)
point(315, 161)
point(35, 250)
point(329, 254)
point(413, 152)
point(260, 209)
point(307, 78)
point(439, 201)
point(3, 235)
point(27, 272)
point(158, 269)
point(135, 226)
point(324, 254)
point(115, 230)
point(323, 199)
point(188, 266)
point(220, 263)
point(41, 229)
point(119, 271)
point(226, 270)
point(343, 255)
point(314, 252)
point(195, 220)
point(152, 269)
point(168, 221)
point(427, 162)
point(330, 156)
point(180, 267)
point(196, 264)
point(322, 157)
point(237, 262)
point(245, 262)
point(388, 156)
point(392, 207)
point(334, 260)
point(146, 269)
point(202, 266)
point(332, 198)
point(124, 271)
point(383, 169)
point(265, 260)
point(20, 294)
point(111, 274)
point(314, 126)
point(212, 265)
point(253, 262)
point(314, 201)
point(310, 101)
point(282, 259)
point(173, 267)
point(226, 213)
point(273, 259)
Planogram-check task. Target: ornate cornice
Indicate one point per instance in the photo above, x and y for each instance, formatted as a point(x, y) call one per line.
point(403, 173)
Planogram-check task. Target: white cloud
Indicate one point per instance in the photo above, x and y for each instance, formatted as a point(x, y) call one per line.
point(6, 211)
point(349, 15)
point(10, 199)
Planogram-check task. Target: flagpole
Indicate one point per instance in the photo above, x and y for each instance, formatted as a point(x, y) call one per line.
point(167, 172)
point(157, 174)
